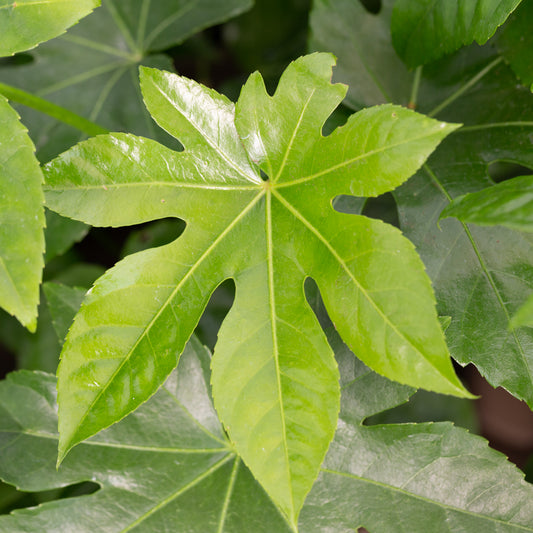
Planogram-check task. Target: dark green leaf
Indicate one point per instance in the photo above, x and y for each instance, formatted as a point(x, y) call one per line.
point(26, 23)
point(515, 42)
point(425, 30)
point(167, 467)
point(93, 69)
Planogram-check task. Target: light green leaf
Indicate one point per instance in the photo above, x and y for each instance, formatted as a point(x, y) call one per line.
point(93, 69)
point(26, 23)
point(428, 29)
point(21, 220)
point(508, 204)
point(515, 42)
point(275, 381)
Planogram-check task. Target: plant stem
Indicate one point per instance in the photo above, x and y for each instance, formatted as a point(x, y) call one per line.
point(44, 106)
point(414, 89)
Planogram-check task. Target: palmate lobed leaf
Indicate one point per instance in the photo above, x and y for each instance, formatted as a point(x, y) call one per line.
point(429, 29)
point(26, 23)
point(275, 381)
point(168, 467)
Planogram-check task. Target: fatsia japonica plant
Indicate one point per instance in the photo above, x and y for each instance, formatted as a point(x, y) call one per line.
point(335, 316)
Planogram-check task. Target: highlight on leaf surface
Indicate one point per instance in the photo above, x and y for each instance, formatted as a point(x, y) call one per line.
point(274, 377)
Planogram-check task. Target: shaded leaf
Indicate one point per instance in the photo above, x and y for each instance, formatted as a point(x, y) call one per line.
point(362, 43)
point(93, 69)
point(275, 381)
point(515, 42)
point(21, 220)
point(428, 29)
point(63, 302)
point(61, 233)
point(166, 464)
point(508, 204)
point(480, 275)
point(26, 23)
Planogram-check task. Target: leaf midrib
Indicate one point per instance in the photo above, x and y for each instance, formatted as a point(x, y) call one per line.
point(423, 498)
point(173, 293)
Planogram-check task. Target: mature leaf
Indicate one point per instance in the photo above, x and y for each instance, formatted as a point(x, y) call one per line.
point(515, 42)
point(166, 467)
point(362, 43)
point(26, 23)
point(508, 204)
point(275, 381)
point(428, 29)
point(480, 275)
point(93, 69)
point(21, 220)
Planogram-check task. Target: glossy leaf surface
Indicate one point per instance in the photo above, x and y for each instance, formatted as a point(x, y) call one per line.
point(167, 466)
point(26, 23)
point(275, 387)
point(21, 220)
point(93, 69)
point(481, 275)
point(508, 204)
point(426, 30)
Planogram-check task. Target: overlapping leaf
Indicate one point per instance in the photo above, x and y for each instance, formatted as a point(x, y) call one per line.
point(21, 219)
point(93, 69)
point(275, 381)
point(516, 42)
point(428, 29)
point(481, 275)
point(168, 466)
point(26, 23)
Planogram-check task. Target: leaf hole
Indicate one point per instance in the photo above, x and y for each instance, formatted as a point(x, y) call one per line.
point(17, 60)
point(372, 6)
point(264, 175)
point(383, 208)
point(504, 170)
point(15, 499)
point(216, 310)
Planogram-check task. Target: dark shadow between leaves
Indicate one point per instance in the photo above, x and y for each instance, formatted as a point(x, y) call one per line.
point(14, 499)
point(505, 170)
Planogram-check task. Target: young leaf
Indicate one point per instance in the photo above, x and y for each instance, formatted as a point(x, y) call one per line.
point(26, 23)
point(21, 220)
point(275, 381)
point(93, 69)
point(166, 467)
point(508, 204)
point(428, 29)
